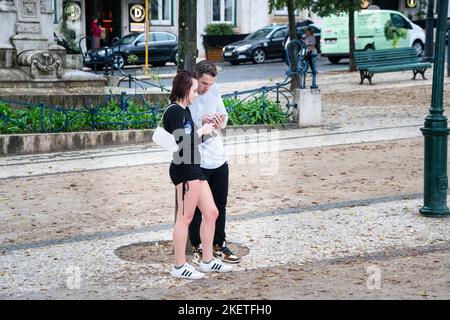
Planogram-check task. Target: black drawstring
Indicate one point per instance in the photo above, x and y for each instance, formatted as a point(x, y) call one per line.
point(185, 189)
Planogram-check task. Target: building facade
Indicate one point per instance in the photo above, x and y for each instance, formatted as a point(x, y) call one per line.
point(121, 17)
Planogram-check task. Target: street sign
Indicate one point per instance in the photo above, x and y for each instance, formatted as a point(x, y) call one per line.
point(137, 27)
point(73, 11)
point(137, 13)
point(411, 3)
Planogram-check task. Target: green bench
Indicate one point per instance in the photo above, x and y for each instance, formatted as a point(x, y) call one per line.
point(369, 62)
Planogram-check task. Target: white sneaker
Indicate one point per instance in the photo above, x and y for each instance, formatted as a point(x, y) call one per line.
point(215, 265)
point(186, 272)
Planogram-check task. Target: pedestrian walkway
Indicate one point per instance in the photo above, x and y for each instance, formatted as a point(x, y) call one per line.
point(90, 268)
point(246, 143)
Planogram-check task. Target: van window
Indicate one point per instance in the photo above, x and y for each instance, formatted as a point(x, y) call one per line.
point(399, 22)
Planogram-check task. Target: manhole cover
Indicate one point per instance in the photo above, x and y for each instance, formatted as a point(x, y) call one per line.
point(162, 251)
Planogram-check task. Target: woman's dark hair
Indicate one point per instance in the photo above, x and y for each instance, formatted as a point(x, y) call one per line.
point(181, 85)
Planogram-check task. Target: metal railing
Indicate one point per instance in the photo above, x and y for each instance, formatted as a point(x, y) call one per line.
point(122, 111)
point(116, 112)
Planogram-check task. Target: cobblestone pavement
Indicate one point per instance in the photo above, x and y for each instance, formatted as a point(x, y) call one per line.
point(338, 218)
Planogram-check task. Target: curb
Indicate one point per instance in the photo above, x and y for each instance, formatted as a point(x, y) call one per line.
point(28, 144)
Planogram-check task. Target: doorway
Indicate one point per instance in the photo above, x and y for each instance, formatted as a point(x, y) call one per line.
point(108, 13)
point(386, 4)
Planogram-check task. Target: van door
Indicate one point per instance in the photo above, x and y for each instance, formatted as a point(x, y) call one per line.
point(366, 28)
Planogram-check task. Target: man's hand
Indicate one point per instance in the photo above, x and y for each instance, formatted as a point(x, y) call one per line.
point(207, 118)
point(218, 121)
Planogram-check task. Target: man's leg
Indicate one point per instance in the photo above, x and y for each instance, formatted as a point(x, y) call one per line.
point(219, 187)
point(218, 182)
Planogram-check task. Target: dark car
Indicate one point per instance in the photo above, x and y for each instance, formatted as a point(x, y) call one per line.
point(301, 31)
point(162, 48)
point(263, 44)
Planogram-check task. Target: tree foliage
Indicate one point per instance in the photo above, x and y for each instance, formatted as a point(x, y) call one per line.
point(325, 8)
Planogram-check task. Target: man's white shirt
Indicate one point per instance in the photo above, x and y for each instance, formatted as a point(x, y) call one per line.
point(212, 150)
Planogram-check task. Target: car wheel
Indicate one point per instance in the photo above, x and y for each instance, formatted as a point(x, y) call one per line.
point(175, 58)
point(418, 45)
point(369, 47)
point(334, 60)
point(259, 56)
point(119, 61)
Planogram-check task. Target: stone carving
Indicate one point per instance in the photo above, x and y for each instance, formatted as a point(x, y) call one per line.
point(46, 6)
point(29, 9)
point(28, 27)
point(7, 5)
point(41, 62)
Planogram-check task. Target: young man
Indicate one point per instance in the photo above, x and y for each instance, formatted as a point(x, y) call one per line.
point(209, 107)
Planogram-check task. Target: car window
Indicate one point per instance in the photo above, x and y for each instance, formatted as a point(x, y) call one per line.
point(141, 38)
point(399, 22)
point(302, 30)
point(282, 33)
point(160, 36)
point(128, 39)
point(259, 34)
point(315, 30)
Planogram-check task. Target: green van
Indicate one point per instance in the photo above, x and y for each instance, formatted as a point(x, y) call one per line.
point(374, 29)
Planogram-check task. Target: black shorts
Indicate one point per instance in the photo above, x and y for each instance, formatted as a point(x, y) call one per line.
point(185, 172)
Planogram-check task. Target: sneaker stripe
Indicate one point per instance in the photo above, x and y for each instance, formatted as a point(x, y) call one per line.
point(189, 273)
point(184, 272)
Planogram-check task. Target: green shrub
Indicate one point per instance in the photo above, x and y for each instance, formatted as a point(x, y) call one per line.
point(137, 116)
point(219, 29)
point(252, 112)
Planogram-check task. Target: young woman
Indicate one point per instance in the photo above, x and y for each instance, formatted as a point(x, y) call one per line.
point(192, 188)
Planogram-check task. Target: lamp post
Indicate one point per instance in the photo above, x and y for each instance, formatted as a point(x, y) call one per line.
point(429, 31)
point(436, 131)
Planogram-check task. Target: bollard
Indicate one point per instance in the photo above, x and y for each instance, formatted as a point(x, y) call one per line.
point(310, 107)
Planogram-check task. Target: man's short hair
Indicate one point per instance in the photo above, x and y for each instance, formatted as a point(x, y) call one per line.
point(205, 67)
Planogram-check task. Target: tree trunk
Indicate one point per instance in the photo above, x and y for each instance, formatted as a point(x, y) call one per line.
point(351, 35)
point(295, 84)
point(187, 31)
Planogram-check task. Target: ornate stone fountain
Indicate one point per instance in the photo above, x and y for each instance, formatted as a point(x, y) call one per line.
point(29, 58)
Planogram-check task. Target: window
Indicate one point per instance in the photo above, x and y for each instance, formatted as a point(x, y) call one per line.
point(284, 12)
point(282, 33)
point(162, 36)
point(399, 22)
point(223, 11)
point(55, 12)
point(160, 12)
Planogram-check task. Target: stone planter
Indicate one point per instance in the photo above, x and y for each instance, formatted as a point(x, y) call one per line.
point(74, 61)
point(214, 44)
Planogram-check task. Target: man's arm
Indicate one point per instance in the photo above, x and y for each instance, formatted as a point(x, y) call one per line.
point(221, 109)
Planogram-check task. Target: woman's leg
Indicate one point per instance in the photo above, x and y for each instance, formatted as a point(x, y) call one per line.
point(209, 211)
point(180, 230)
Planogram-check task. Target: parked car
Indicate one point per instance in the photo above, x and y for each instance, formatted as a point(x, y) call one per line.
point(162, 48)
point(258, 46)
point(265, 43)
